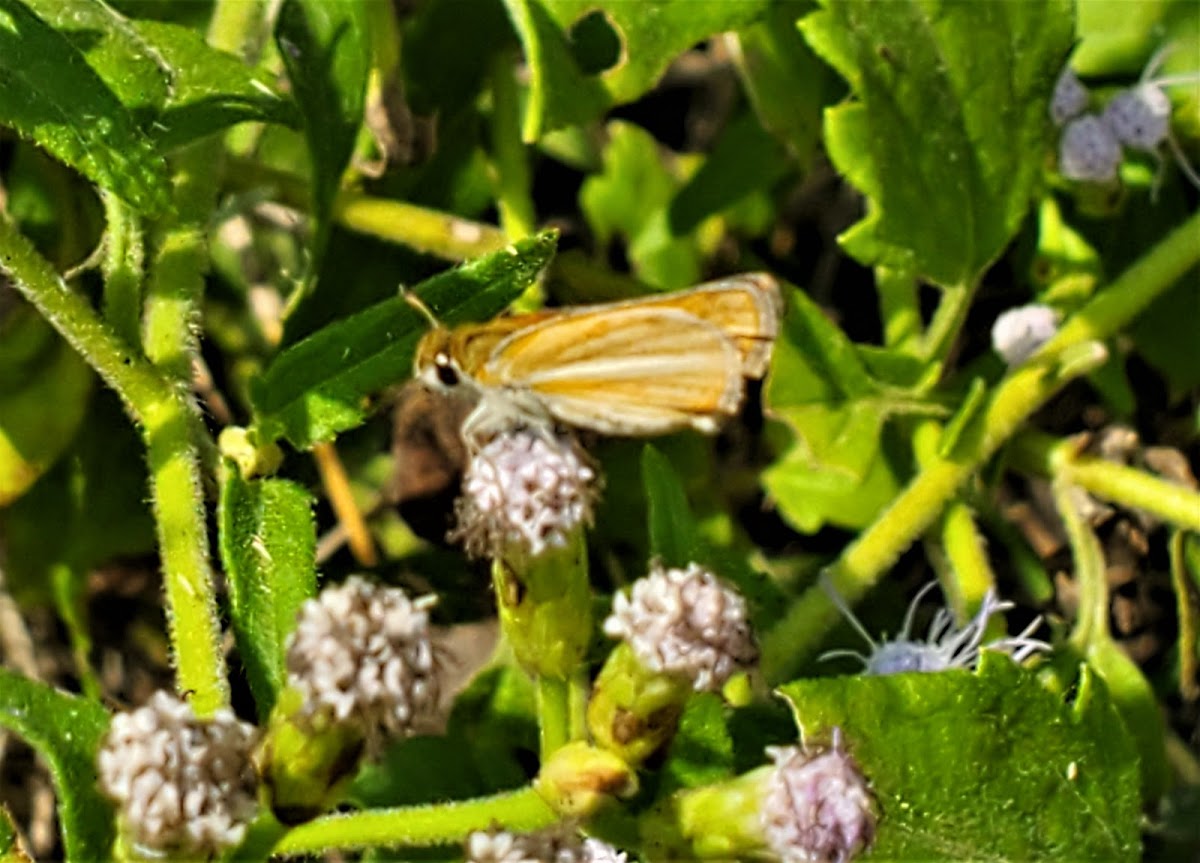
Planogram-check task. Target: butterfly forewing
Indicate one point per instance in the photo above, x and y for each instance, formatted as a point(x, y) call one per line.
point(637, 370)
point(639, 367)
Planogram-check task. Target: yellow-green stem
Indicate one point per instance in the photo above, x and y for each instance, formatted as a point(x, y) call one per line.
point(1025, 388)
point(1035, 452)
point(124, 257)
point(520, 811)
point(163, 413)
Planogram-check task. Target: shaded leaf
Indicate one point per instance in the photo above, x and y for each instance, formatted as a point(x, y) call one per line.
point(673, 535)
point(90, 508)
point(51, 95)
point(786, 83)
point(37, 368)
point(268, 548)
point(744, 160)
point(630, 199)
point(66, 731)
point(949, 130)
point(833, 469)
point(319, 386)
point(650, 34)
point(984, 765)
point(327, 50)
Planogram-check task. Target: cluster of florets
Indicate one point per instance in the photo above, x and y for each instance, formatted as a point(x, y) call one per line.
point(817, 805)
point(685, 622)
point(181, 783)
point(1137, 118)
point(527, 490)
point(362, 653)
point(557, 845)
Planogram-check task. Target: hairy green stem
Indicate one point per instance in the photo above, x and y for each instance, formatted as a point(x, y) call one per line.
point(163, 412)
point(520, 811)
point(1035, 452)
point(124, 259)
point(864, 561)
point(177, 440)
point(420, 228)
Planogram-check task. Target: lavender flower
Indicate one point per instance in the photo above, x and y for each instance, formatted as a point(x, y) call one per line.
point(180, 783)
point(685, 622)
point(817, 806)
point(362, 654)
point(944, 646)
point(525, 489)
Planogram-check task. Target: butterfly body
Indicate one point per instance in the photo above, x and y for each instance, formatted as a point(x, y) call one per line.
point(642, 367)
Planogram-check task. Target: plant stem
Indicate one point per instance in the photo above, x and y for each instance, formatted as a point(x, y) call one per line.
point(124, 257)
point(520, 811)
point(162, 411)
point(420, 228)
point(1035, 452)
point(1025, 388)
point(510, 163)
point(899, 307)
point(554, 711)
point(176, 440)
point(947, 321)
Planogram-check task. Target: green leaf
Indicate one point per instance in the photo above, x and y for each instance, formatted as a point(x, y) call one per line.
point(37, 369)
point(832, 469)
point(268, 548)
point(786, 83)
point(702, 749)
point(989, 765)
point(948, 135)
point(470, 32)
point(51, 95)
point(176, 85)
point(647, 36)
point(318, 387)
point(66, 731)
point(630, 199)
point(673, 534)
point(492, 728)
point(1165, 335)
point(327, 50)
point(210, 91)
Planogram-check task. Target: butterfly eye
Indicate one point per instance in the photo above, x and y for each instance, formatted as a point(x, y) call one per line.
point(446, 373)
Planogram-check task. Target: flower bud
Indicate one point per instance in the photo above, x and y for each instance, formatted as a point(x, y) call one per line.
point(181, 784)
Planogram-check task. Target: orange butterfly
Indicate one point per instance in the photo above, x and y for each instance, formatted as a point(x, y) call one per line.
point(640, 367)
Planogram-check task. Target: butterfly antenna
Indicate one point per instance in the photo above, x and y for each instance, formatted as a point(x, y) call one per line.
point(419, 304)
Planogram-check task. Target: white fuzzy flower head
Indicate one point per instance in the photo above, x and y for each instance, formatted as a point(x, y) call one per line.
point(181, 784)
point(524, 489)
point(685, 622)
point(817, 806)
point(1018, 333)
point(597, 851)
point(361, 654)
point(944, 646)
point(547, 846)
point(1140, 117)
point(1070, 98)
point(1089, 151)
